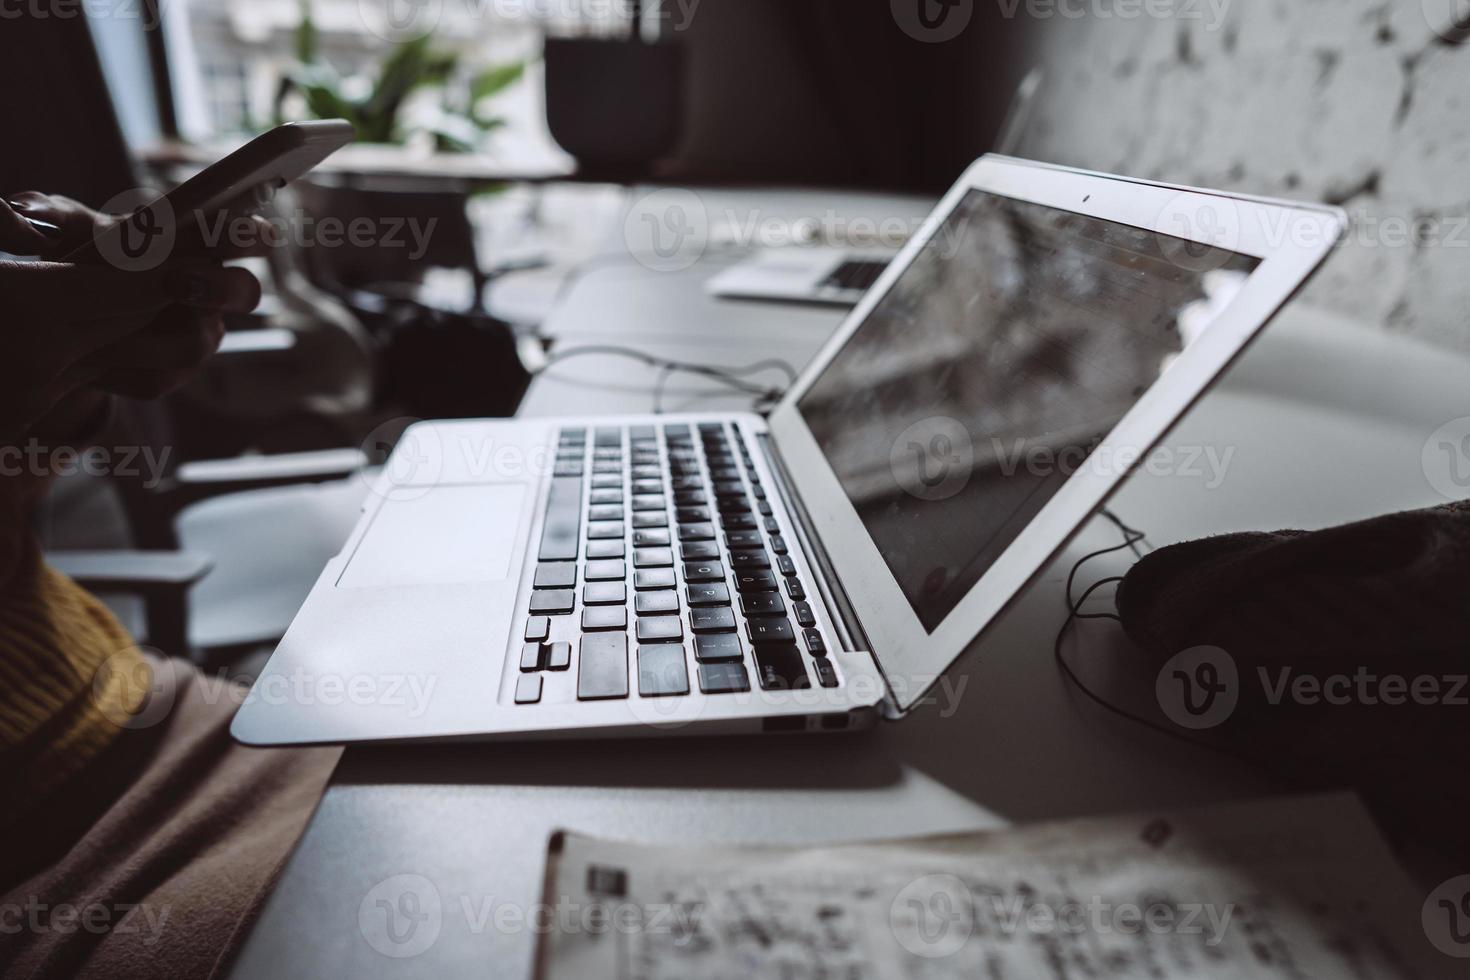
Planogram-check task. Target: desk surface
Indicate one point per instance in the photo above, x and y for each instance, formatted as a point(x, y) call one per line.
point(1318, 432)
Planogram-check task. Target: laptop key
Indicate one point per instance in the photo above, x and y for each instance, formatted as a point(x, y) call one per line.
point(614, 570)
point(723, 678)
point(561, 575)
point(557, 603)
point(738, 522)
point(712, 648)
point(696, 532)
point(605, 512)
point(660, 628)
point(604, 594)
point(656, 603)
point(780, 668)
point(712, 619)
point(607, 548)
point(609, 495)
point(662, 671)
point(804, 614)
point(599, 618)
point(770, 630)
point(566, 468)
point(691, 515)
point(647, 486)
point(602, 669)
point(650, 537)
point(708, 594)
point(756, 580)
point(531, 654)
point(826, 674)
point(744, 539)
point(704, 571)
point(649, 501)
point(653, 579)
point(699, 551)
point(763, 604)
point(785, 565)
point(750, 559)
point(794, 589)
point(650, 518)
point(538, 628)
point(559, 535)
point(604, 481)
point(528, 689)
point(653, 558)
point(778, 544)
point(601, 530)
point(815, 645)
point(559, 656)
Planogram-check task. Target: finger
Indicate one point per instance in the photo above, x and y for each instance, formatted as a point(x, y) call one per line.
point(19, 237)
point(212, 287)
point(181, 339)
point(160, 359)
point(67, 293)
point(229, 237)
point(78, 223)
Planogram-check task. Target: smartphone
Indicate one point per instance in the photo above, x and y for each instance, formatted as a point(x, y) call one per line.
point(240, 182)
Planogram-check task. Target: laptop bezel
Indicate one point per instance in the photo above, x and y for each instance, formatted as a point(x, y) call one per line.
point(1291, 240)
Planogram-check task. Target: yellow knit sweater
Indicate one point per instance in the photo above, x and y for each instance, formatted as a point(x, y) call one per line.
point(70, 676)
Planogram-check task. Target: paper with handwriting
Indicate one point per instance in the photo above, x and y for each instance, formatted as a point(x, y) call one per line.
point(1295, 889)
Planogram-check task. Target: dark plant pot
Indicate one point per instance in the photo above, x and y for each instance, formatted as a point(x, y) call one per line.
point(615, 105)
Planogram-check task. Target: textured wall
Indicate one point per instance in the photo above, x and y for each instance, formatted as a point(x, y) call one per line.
point(1362, 103)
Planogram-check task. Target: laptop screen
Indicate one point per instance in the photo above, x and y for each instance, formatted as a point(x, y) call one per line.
point(990, 370)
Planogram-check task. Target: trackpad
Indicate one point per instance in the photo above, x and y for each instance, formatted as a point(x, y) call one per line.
point(452, 535)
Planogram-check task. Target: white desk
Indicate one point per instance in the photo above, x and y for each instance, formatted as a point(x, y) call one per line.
point(1327, 425)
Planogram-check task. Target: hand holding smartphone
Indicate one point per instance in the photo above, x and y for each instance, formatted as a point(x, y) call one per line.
point(238, 183)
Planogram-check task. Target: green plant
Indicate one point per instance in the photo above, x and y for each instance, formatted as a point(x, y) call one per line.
point(375, 107)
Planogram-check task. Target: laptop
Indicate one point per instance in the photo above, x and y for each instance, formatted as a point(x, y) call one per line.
point(817, 569)
point(819, 274)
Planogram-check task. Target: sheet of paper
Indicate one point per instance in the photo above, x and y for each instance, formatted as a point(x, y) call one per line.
point(1290, 889)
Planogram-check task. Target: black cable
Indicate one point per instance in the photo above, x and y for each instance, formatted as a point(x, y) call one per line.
point(1131, 537)
point(730, 377)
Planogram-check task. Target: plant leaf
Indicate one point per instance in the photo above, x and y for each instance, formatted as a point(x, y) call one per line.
point(495, 79)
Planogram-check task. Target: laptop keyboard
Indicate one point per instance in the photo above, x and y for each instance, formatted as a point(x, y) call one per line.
point(660, 550)
point(856, 274)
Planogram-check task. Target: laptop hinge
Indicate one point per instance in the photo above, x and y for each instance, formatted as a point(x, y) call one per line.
point(829, 583)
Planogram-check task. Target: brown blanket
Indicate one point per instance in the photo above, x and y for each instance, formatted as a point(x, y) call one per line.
point(155, 861)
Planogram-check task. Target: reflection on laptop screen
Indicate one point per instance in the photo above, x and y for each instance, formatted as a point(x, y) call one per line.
point(986, 376)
